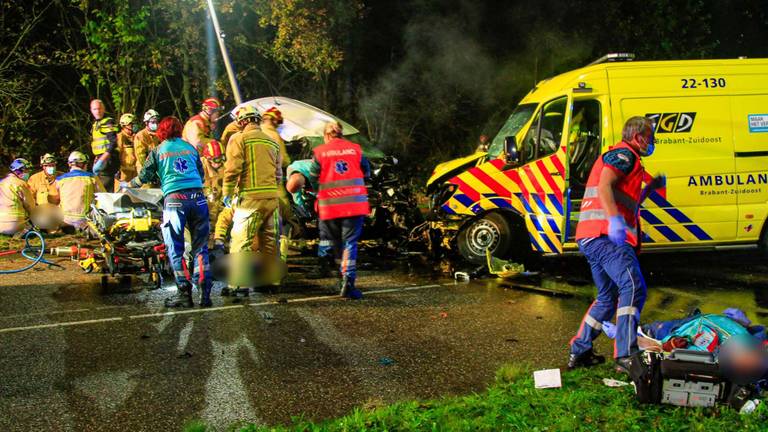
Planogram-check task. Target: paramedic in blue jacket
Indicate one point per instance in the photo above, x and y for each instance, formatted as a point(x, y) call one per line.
point(176, 165)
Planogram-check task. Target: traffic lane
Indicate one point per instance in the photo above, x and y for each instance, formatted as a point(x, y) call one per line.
point(267, 364)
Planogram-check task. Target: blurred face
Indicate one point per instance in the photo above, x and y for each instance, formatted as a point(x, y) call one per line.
point(269, 121)
point(152, 125)
point(50, 169)
point(214, 115)
point(128, 129)
point(97, 109)
point(22, 174)
point(644, 142)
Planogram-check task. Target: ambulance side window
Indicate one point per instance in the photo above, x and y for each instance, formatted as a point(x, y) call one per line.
point(584, 140)
point(546, 131)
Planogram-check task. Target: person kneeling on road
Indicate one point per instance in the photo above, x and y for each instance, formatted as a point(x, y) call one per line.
point(177, 165)
point(77, 189)
point(608, 235)
point(342, 203)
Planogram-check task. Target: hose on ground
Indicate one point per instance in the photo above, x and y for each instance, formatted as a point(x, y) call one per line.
point(27, 252)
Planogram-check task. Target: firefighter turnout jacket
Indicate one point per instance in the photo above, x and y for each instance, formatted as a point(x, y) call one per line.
point(16, 204)
point(253, 166)
point(44, 188)
point(77, 189)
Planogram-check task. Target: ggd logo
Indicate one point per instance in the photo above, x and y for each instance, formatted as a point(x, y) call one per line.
point(675, 122)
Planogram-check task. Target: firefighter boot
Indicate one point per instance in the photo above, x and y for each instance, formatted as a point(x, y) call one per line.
point(183, 297)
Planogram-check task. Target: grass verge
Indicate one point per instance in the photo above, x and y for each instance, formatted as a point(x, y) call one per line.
point(512, 404)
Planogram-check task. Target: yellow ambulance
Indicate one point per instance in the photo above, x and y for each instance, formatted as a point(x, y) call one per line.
point(523, 194)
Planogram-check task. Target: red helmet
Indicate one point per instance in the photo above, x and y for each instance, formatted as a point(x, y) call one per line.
point(213, 103)
point(275, 114)
point(213, 152)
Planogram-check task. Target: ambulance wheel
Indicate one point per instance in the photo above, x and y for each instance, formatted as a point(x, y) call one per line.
point(493, 232)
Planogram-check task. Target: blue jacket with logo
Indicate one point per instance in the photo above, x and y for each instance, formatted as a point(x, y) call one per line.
point(175, 164)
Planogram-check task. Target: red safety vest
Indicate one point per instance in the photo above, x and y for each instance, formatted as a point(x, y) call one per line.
point(341, 186)
point(593, 221)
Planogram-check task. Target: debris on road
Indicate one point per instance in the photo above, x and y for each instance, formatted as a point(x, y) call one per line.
point(386, 361)
point(547, 378)
point(502, 268)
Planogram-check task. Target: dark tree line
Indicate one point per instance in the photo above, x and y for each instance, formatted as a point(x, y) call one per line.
point(422, 78)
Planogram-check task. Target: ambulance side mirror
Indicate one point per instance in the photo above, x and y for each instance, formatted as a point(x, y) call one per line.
point(511, 156)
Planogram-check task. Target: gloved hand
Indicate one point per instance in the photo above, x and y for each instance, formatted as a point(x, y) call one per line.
point(227, 201)
point(218, 244)
point(125, 185)
point(98, 167)
point(617, 230)
point(659, 181)
point(609, 329)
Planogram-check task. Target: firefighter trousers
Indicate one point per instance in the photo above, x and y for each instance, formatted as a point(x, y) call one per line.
point(188, 209)
point(338, 239)
point(255, 229)
point(621, 291)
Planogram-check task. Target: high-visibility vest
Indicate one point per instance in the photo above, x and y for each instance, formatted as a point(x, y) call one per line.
point(11, 204)
point(99, 132)
point(341, 184)
point(593, 220)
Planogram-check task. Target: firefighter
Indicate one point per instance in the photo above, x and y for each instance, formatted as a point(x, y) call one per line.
point(342, 203)
point(125, 146)
point(213, 165)
point(43, 183)
point(608, 235)
point(177, 164)
point(232, 128)
point(106, 161)
point(270, 121)
point(199, 128)
point(77, 188)
point(146, 139)
point(253, 166)
point(16, 199)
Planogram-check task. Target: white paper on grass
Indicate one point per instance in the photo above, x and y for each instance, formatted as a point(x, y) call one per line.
point(547, 378)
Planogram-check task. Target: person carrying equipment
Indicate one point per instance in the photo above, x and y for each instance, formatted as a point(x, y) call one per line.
point(176, 163)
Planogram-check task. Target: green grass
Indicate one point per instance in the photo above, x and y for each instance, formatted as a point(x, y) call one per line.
point(511, 403)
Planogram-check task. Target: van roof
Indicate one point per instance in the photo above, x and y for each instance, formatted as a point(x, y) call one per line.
point(570, 79)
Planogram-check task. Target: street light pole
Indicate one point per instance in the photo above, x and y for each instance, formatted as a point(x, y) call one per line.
point(224, 54)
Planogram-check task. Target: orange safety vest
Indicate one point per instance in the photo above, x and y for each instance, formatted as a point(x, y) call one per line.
point(341, 191)
point(593, 220)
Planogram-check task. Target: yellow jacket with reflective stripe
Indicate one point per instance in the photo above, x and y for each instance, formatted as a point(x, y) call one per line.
point(16, 199)
point(44, 188)
point(253, 166)
point(99, 131)
point(272, 133)
point(77, 189)
point(229, 131)
point(144, 142)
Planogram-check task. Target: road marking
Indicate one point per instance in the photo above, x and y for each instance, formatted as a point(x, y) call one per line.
point(204, 310)
point(185, 311)
point(46, 313)
point(55, 325)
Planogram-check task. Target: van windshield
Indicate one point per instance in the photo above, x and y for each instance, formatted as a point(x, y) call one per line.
point(514, 123)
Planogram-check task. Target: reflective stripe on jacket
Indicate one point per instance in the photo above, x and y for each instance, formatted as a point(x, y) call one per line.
point(99, 131)
point(252, 166)
point(143, 143)
point(197, 131)
point(593, 220)
point(341, 184)
point(77, 189)
point(16, 199)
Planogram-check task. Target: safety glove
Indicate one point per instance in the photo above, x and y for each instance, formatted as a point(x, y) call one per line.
point(125, 185)
point(617, 230)
point(658, 182)
point(98, 167)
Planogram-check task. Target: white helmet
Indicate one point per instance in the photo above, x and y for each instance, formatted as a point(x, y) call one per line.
point(151, 114)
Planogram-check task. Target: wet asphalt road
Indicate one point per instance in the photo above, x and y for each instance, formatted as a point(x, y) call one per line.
point(77, 357)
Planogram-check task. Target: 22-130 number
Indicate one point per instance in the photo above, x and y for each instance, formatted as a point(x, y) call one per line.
point(692, 83)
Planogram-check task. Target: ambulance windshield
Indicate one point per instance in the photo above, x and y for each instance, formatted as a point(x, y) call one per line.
point(514, 123)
